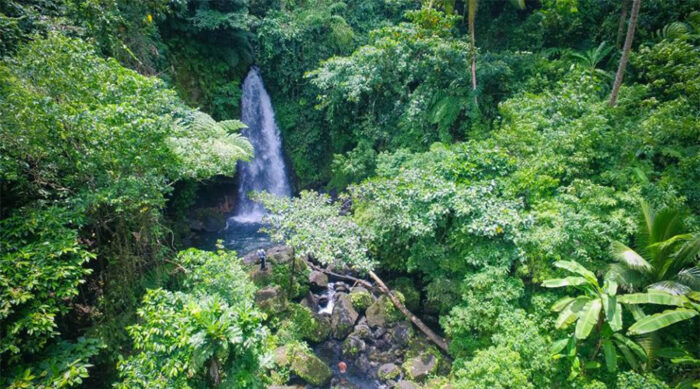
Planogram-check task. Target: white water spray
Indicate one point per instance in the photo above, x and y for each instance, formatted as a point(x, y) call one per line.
point(266, 172)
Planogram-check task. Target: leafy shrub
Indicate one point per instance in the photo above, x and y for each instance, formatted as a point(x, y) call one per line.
point(207, 334)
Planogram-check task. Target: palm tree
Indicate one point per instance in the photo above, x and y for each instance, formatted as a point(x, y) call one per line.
point(471, 15)
point(668, 259)
point(473, 4)
point(625, 52)
point(590, 59)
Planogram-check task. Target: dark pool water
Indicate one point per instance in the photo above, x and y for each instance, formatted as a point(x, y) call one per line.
point(241, 237)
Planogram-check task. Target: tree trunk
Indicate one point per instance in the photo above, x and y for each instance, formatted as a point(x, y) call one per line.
point(621, 24)
point(440, 342)
point(472, 15)
point(625, 52)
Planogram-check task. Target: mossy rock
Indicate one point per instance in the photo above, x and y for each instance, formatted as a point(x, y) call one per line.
point(361, 298)
point(420, 367)
point(383, 311)
point(353, 345)
point(300, 360)
point(388, 371)
point(271, 300)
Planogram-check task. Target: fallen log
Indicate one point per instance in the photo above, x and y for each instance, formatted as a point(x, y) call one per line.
point(440, 342)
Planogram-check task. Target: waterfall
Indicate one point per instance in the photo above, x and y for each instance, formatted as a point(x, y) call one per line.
point(266, 172)
point(330, 296)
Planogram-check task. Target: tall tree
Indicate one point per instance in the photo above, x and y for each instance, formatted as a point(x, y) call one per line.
point(625, 52)
point(621, 24)
point(473, 4)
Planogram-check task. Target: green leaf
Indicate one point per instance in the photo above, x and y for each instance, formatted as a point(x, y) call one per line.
point(571, 312)
point(568, 281)
point(661, 320)
point(610, 355)
point(558, 346)
point(613, 312)
point(588, 319)
point(629, 257)
point(561, 303)
point(653, 297)
point(577, 268)
point(632, 345)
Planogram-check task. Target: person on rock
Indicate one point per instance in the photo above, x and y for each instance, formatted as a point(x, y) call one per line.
point(261, 256)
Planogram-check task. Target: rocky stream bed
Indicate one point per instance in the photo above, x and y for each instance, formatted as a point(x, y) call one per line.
point(321, 321)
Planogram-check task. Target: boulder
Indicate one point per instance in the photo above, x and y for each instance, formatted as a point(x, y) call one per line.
point(381, 312)
point(401, 333)
point(302, 362)
point(343, 317)
point(361, 298)
point(311, 369)
point(280, 254)
point(362, 330)
point(271, 300)
point(388, 371)
point(406, 385)
point(353, 345)
point(318, 280)
point(420, 367)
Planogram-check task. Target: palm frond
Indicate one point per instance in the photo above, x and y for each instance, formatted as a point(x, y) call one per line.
point(629, 279)
point(630, 258)
point(670, 287)
point(690, 277)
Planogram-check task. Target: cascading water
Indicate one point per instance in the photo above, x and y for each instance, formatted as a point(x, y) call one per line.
point(266, 172)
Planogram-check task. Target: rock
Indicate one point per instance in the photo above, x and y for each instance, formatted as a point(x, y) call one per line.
point(381, 357)
point(337, 383)
point(418, 368)
point(318, 280)
point(341, 287)
point(382, 312)
point(271, 300)
point(379, 332)
point(302, 362)
point(280, 254)
point(353, 345)
point(310, 301)
point(388, 371)
point(401, 333)
point(343, 317)
point(310, 368)
point(285, 387)
point(361, 298)
point(251, 258)
point(362, 330)
point(261, 277)
point(406, 385)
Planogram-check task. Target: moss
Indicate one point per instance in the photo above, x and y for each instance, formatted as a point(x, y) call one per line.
point(361, 299)
point(302, 362)
point(301, 324)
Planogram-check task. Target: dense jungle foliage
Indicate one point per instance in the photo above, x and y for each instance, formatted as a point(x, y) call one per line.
point(474, 153)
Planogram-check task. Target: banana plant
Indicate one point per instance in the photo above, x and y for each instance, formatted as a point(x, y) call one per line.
point(686, 308)
point(597, 307)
